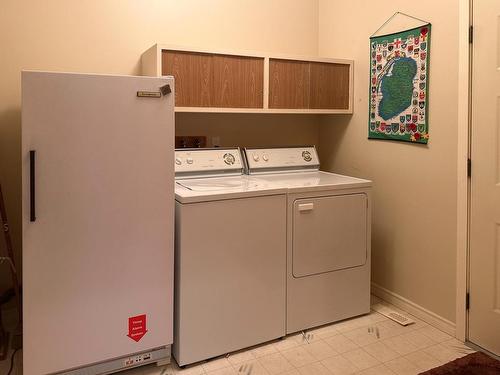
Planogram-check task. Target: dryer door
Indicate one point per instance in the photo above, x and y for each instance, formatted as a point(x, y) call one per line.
point(329, 234)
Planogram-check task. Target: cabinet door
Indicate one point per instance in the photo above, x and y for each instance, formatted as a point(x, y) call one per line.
point(308, 85)
point(212, 80)
point(329, 234)
point(237, 82)
point(289, 84)
point(193, 77)
point(329, 86)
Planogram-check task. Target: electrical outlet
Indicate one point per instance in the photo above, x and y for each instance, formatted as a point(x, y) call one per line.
point(215, 141)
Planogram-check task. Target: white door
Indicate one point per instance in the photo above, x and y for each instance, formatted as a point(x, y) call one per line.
point(98, 241)
point(484, 311)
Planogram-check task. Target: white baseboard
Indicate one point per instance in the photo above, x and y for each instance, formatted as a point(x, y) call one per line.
point(412, 308)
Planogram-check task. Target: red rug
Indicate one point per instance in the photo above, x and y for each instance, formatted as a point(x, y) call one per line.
point(473, 364)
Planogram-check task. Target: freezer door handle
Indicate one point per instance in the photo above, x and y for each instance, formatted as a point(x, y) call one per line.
point(32, 186)
point(304, 207)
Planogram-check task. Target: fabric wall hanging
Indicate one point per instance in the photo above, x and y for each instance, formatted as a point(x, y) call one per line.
point(399, 85)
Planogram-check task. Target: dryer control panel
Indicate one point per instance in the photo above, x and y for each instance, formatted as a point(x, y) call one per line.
point(281, 159)
point(208, 161)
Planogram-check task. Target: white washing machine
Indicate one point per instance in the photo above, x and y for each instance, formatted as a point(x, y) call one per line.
point(328, 236)
point(230, 256)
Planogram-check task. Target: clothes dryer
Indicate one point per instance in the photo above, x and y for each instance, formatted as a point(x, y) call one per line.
point(328, 235)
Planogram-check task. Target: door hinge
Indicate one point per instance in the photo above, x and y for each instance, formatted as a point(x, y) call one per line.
point(471, 34)
point(467, 301)
point(469, 167)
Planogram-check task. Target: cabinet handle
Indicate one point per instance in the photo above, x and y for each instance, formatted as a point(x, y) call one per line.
point(32, 186)
point(304, 207)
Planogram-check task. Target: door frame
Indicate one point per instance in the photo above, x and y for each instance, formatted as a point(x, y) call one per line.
point(463, 154)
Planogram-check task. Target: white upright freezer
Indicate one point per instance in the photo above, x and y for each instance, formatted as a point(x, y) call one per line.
point(98, 217)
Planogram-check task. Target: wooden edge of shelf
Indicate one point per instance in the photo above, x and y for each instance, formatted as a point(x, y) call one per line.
point(351, 86)
point(261, 110)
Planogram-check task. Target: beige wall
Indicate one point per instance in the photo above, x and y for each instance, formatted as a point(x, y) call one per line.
point(415, 189)
point(252, 130)
point(109, 37)
point(414, 219)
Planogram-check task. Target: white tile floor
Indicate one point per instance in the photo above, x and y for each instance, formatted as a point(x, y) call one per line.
point(367, 345)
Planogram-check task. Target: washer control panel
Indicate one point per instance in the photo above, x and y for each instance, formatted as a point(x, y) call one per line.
point(201, 161)
point(282, 158)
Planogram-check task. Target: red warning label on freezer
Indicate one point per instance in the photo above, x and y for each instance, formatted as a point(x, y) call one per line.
point(137, 327)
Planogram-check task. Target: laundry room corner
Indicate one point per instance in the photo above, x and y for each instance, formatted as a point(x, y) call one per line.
point(414, 192)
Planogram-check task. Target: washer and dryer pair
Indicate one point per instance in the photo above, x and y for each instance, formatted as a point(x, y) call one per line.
point(281, 248)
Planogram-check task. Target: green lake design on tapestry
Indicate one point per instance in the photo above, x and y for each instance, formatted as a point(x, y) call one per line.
point(397, 88)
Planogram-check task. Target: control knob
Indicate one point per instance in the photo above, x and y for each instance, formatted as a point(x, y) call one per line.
point(229, 158)
point(307, 156)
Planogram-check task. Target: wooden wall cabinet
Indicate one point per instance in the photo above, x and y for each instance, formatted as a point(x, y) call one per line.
point(219, 81)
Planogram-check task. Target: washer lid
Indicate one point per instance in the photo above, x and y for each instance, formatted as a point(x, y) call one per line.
point(220, 188)
point(214, 184)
